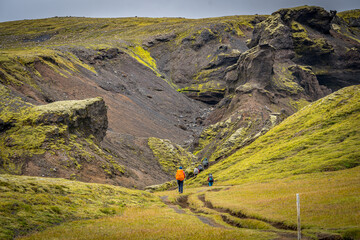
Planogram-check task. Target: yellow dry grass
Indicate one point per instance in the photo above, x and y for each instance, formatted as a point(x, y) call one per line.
point(146, 223)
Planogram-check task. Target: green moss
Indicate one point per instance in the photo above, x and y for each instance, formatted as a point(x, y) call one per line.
point(236, 28)
point(31, 133)
point(170, 156)
point(143, 56)
point(218, 139)
point(204, 74)
point(18, 65)
point(284, 80)
point(224, 138)
point(210, 86)
point(32, 203)
point(299, 104)
point(349, 15)
point(304, 45)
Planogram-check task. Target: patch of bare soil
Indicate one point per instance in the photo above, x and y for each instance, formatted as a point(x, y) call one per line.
point(183, 203)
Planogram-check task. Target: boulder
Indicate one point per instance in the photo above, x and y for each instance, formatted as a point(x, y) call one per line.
point(272, 32)
point(314, 17)
point(256, 66)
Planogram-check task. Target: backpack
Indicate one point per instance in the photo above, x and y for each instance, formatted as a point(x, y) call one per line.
point(211, 179)
point(180, 175)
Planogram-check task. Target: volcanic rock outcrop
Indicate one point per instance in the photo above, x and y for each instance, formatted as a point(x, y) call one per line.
point(295, 56)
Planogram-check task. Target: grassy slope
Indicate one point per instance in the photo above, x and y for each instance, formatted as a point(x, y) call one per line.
point(170, 156)
point(323, 136)
point(147, 223)
point(329, 201)
point(85, 30)
point(32, 203)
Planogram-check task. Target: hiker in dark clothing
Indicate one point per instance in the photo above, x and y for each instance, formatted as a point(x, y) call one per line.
point(200, 167)
point(180, 176)
point(205, 163)
point(210, 180)
point(196, 172)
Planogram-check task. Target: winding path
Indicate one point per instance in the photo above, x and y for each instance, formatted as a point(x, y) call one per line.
point(182, 203)
point(283, 232)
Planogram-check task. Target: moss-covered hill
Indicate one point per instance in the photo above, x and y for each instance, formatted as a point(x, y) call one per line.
point(323, 136)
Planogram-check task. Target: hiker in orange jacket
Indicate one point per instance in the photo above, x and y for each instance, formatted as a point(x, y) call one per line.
point(180, 176)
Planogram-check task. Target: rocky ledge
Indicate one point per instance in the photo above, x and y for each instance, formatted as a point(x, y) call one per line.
point(88, 117)
point(36, 134)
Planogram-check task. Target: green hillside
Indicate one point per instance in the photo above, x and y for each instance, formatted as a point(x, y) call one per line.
point(323, 136)
point(96, 211)
point(32, 203)
point(71, 30)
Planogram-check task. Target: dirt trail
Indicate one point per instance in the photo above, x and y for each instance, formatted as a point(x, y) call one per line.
point(284, 232)
point(278, 225)
point(183, 203)
point(172, 206)
point(235, 219)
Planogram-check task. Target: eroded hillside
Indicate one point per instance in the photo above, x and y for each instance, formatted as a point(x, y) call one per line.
point(209, 86)
point(321, 137)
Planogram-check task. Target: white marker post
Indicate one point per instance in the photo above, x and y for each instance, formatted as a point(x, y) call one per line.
point(298, 216)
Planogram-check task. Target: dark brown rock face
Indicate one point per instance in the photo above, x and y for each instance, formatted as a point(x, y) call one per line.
point(314, 17)
point(273, 32)
point(292, 50)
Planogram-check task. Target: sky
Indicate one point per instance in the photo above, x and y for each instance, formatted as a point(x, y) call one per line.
point(11, 10)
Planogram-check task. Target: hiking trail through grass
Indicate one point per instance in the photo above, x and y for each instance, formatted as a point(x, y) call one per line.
point(229, 218)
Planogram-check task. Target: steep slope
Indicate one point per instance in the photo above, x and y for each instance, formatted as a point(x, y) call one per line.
point(323, 136)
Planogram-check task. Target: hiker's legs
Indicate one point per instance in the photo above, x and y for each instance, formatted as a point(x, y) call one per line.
point(210, 184)
point(181, 186)
point(180, 183)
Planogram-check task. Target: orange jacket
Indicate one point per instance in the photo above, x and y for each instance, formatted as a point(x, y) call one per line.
point(180, 175)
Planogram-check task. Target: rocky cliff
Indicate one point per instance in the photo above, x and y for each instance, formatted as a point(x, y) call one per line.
point(58, 139)
point(207, 86)
point(295, 56)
